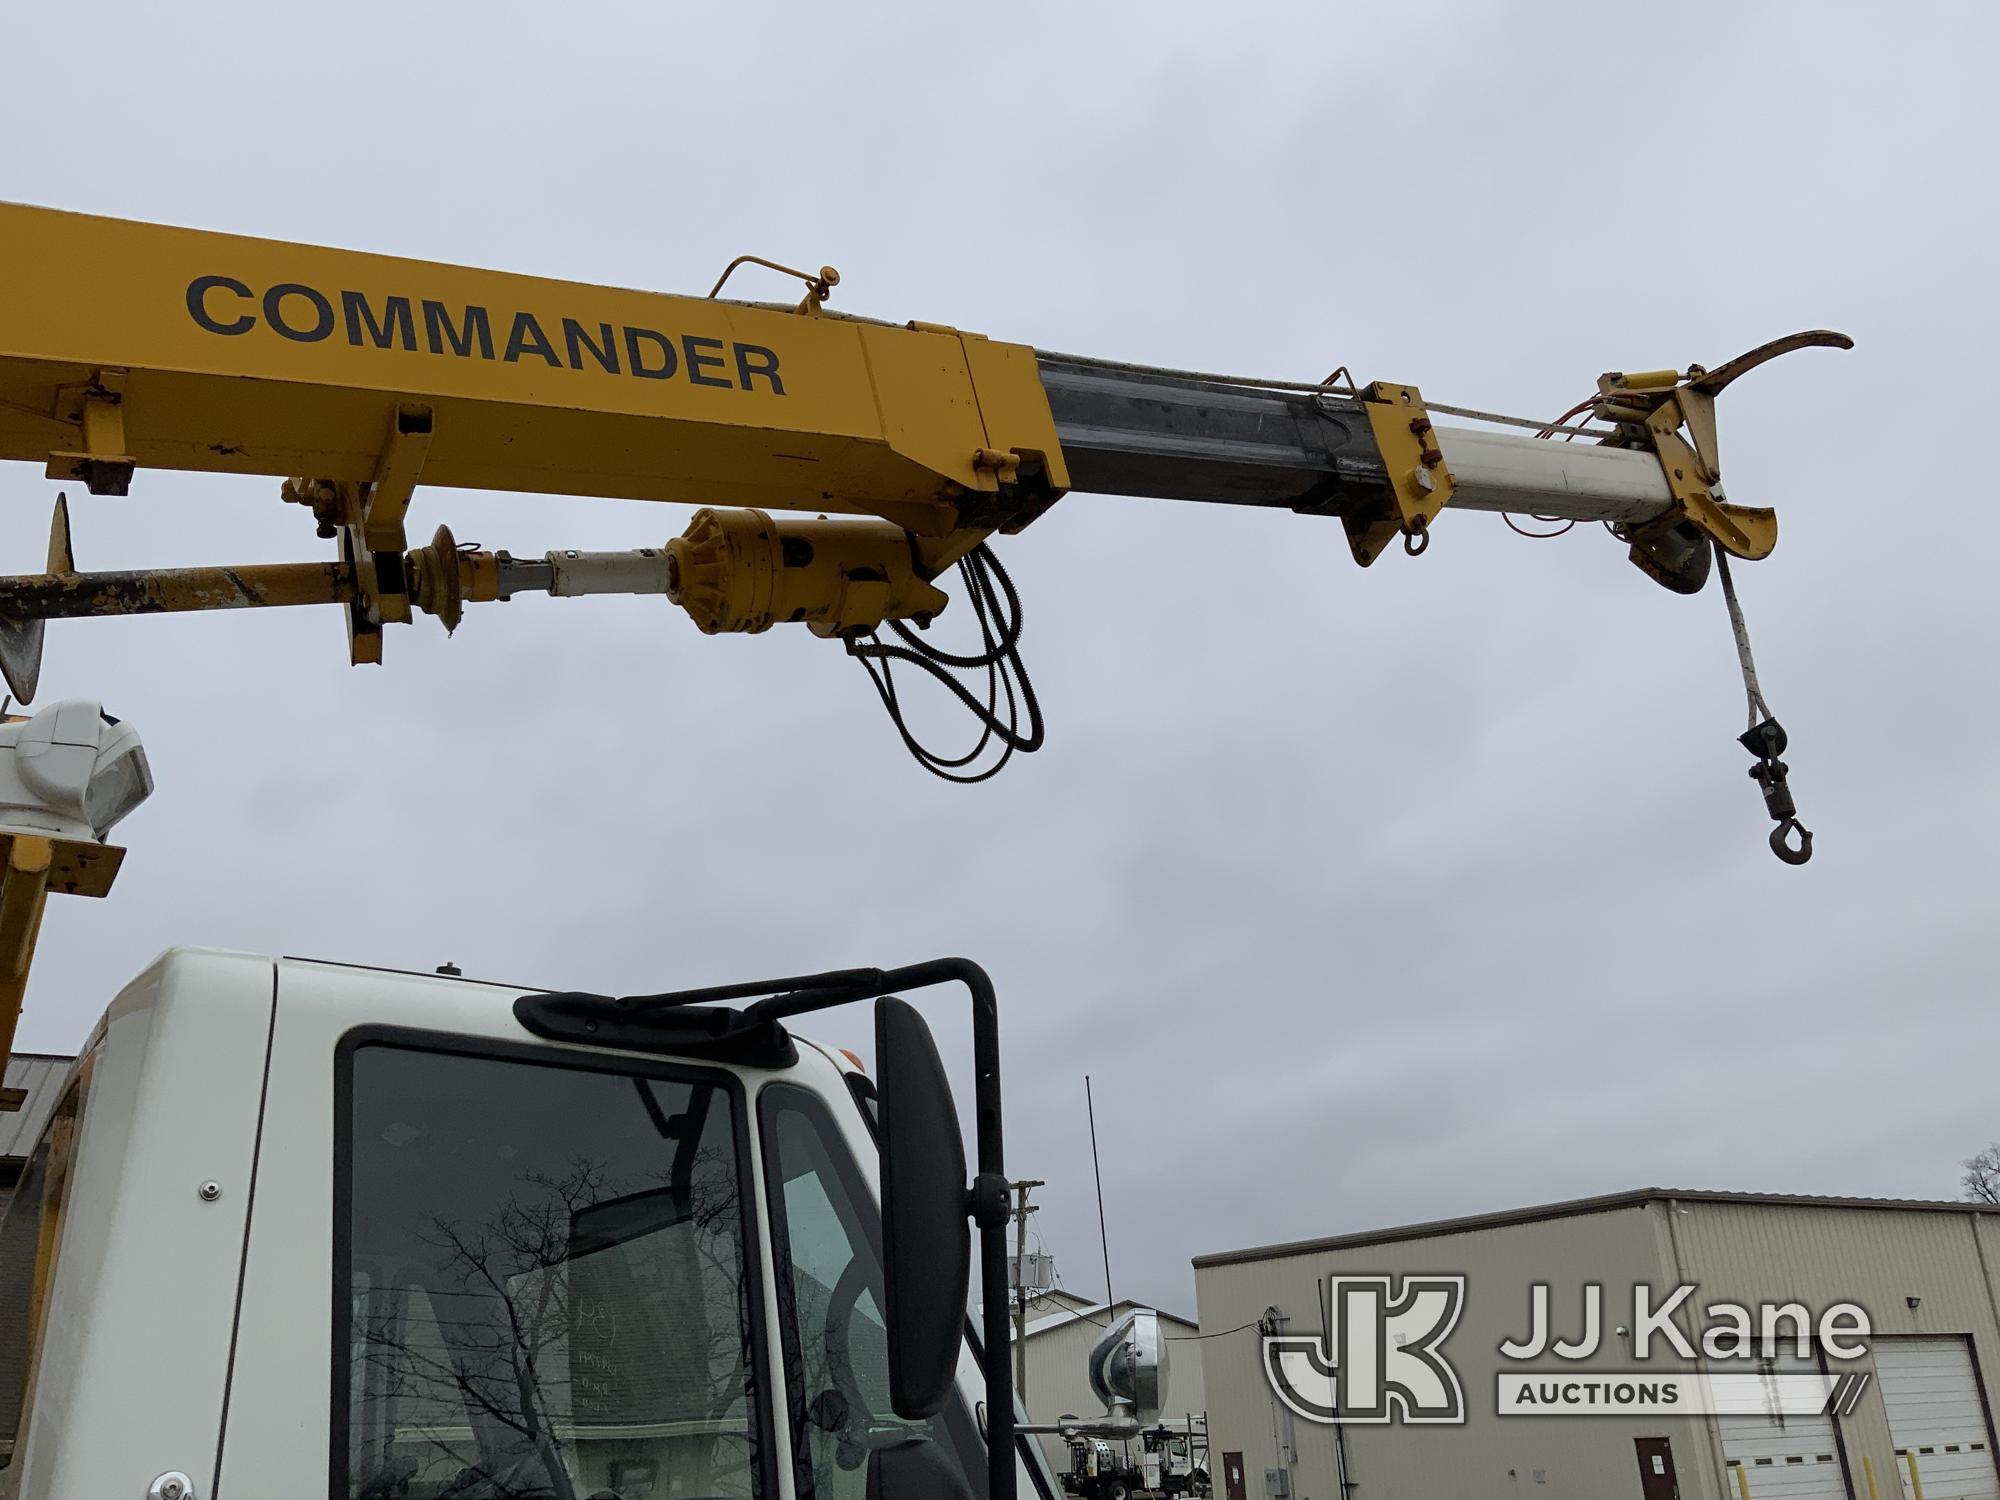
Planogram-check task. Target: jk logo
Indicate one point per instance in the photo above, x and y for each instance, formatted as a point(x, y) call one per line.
point(1380, 1360)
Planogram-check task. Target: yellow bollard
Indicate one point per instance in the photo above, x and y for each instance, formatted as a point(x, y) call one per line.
point(1916, 1479)
point(1742, 1482)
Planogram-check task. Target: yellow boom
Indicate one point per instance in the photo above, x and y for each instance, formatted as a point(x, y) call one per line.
point(355, 377)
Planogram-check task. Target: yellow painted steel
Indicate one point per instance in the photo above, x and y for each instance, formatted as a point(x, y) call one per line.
point(1419, 479)
point(1868, 1472)
point(123, 342)
point(31, 866)
point(741, 570)
point(1748, 532)
point(1916, 1479)
point(1742, 1483)
point(1652, 408)
point(24, 885)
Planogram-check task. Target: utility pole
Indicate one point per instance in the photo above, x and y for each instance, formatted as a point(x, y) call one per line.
point(1021, 1212)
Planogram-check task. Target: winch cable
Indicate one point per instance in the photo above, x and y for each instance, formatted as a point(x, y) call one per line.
point(1765, 738)
point(1752, 692)
point(996, 605)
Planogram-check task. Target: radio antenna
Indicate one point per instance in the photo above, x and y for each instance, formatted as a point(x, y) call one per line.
point(1097, 1171)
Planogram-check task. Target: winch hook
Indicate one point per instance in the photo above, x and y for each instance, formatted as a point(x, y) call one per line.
point(1767, 741)
point(1781, 847)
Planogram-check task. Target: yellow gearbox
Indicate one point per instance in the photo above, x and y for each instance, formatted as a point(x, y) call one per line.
point(741, 570)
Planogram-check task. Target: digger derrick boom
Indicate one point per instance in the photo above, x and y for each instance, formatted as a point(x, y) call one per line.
point(185, 349)
point(233, 355)
point(358, 376)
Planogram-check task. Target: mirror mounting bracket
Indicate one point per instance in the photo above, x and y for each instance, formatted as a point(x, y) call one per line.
point(987, 1202)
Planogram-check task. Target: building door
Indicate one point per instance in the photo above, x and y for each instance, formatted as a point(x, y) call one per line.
point(1937, 1418)
point(1656, 1469)
point(1232, 1477)
point(1781, 1455)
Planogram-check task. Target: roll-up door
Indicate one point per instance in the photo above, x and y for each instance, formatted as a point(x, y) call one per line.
point(1785, 1456)
point(1937, 1418)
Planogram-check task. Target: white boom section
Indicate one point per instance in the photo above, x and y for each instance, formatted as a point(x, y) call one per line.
point(1548, 477)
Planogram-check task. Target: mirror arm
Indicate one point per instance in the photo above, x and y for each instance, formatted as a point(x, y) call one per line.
point(989, 1202)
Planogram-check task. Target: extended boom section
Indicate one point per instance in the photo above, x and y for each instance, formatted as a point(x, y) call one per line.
point(355, 377)
point(1130, 431)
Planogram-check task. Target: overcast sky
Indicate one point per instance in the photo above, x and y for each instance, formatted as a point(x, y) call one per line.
point(1364, 897)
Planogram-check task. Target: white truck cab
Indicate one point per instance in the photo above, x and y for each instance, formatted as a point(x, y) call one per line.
point(300, 1228)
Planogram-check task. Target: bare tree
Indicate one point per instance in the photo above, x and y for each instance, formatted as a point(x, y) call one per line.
point(520, 1341)
point(1982, 1176)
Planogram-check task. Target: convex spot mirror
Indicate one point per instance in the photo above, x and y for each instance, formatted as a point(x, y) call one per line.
point(926, 1228)
point(1128, 1367)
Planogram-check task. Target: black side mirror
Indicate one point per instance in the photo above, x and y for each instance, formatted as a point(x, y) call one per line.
point(926, 1235)
point(914, 1471)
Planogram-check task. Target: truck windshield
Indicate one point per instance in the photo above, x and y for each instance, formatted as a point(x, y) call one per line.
point(544, 1283)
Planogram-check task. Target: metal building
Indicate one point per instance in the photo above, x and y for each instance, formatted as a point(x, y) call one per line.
point(1909, 1415)
point(40, 1078)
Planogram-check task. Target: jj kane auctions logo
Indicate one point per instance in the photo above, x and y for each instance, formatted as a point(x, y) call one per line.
point(1381, 1357)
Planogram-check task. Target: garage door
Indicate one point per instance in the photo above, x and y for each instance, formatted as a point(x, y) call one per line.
point(1785, 1457)
point(1936, 1416)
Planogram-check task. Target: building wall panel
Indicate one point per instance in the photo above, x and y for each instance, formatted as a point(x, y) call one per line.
point(1506, 1458)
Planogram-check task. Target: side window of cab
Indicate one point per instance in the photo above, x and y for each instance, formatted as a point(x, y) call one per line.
point(827, 1243)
